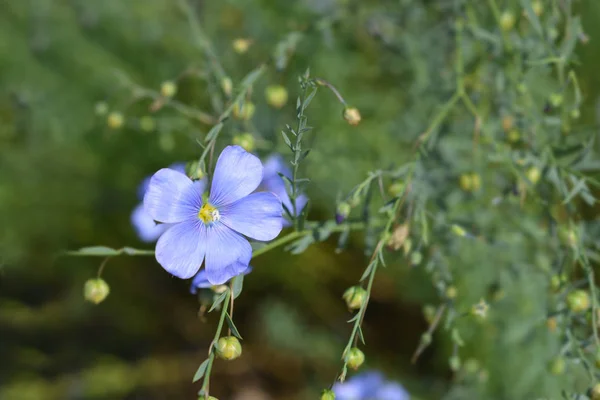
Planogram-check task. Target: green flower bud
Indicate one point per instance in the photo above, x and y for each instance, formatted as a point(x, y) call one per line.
point(538, 7)
point(578, 301)
point(557, 366)
point(245, 112)
point(101, 108)
point(533, 175)
point(454, 363)
point(227, 85)
point(595, 392)
point(352, 115)
point(458, 230)
point(327, 395)
point(575, 113)
point(115, 120)
point(168, 89)
point(451, 292)
point(555, 283)
point(245, 140)
point(355, 296)
point(396, 189)
point(229, 348)
point(513, 136)
point(342, 212)
point(276, 95)
point(95, 290)
point(416, 258)
point(507, 21)
point(429, 313)
point(355, 358)
point(426, 338)
point(147, 123)
point(471, 366)
point(241, 45)
point(556, 99)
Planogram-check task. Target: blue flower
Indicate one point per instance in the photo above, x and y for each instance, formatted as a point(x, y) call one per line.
point(272, 182)
point(213, 231)
point(200, 281)
point(145, 227)
point(369, 386)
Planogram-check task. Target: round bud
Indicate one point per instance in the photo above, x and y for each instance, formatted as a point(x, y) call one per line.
point(451, 292)
point(507, 21)
point(466, 182)
point(578, 301)
point(276, 95)
point(115, 120)
point(355, 296)
point(147, 123)
point(521, 88)
point(245, 140)
point(101, 108)
point(513, 136)
point(245, 112)
point(327, 395)
point(426, 338)
point(454, 363)
point(95, 290)
point(595, 392)
point(342, 212)
point(227, 85)
point(472, 366)
point(352, 115)
point(355, 358)
point(168, 89)
point(241, 45)
point(429, 313)
point(557, 366)
point(575, 113)
point(533, 175)
point(538, 7)
point(228, 348)
point(475, 181)
point(556, 99)
point(416, 258)
point(458, 230)
point(396, 189)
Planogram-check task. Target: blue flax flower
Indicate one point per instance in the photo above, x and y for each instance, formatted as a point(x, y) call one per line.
point(272, 182)
point(369, 386)
point(213, 231)
point(201, 281)
point(143, 224)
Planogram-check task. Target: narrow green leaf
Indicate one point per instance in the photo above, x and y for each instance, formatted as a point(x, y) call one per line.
point(252, 77)
point(218, 301)
point(361, 336)
point(238, 284)
point(201, 371)
point(532, 17)
point(214, 131)
point(287, 140)
point(367, 271)
point(232, 326)
point(94, 251)
point(579, 186)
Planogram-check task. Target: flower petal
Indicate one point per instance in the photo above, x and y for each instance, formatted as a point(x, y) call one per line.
point(145, 227)
point(173, 197)
point(258, 216)
point(200, 281)
point(180, 250)
point(227, 254)
point(237, 174)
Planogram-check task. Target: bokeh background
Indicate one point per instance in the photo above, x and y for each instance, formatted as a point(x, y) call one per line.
point(68, 179)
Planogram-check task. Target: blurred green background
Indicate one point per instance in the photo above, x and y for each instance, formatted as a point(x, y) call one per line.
point(67, 180)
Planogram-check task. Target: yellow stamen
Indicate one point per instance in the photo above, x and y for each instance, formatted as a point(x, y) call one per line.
point(209, 214)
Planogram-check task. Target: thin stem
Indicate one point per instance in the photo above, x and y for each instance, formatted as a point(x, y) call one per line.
point(337, 94)
point(211, 350)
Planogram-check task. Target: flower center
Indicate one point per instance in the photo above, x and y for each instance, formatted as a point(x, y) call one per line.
point(209, 214)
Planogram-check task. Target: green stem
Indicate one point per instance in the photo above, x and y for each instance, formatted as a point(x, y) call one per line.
point(211, 357)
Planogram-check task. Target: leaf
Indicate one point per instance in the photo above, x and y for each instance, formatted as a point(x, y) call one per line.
point(456, 338)
point(214, 131)
point(573, 30)
point(94, 251)
point(232, 326)
point(532, 17)
point(309, 98)
point(367, 271)
point(361, 336)
point(219, 300)
point(201, 371)
point(579, 187)
point(300, 245)
point(353, 318)
point(304, 155)
point(287, 140)
point(252, 76)
point(238, 284)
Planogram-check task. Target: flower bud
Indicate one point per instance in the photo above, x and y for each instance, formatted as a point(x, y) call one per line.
point(595, 392)
point(355, 358)
point(168, 89)
point(416, 258)
point(575, 113)
point(227, 85)
point(426, 339)
point(458, 230)
point(229, 348)
point(507, 21)
point(429, 313)
point(578, 301)
point(513, 136)
point(454, 363)
point(245, 112)
point(557, 366)
point(245, 140)
point(451, 292)
point(475, 182)
point(352, 115)
point(342, 212)
point(115, 120)
point(276, 95)
point(355, 296)
point(327, 395)
point(95, 290)
point(399, 236)
point(466, 182)
point(147, 123)
point(533, 175)
point(101, 108)
point(538, 7)
point(396, 189)
point(241, 45)
point(556, 99)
